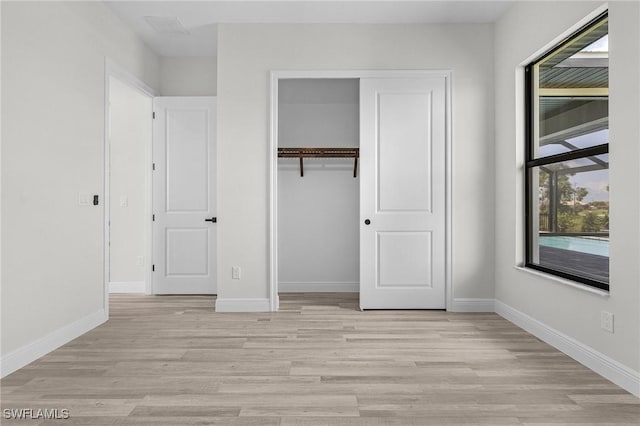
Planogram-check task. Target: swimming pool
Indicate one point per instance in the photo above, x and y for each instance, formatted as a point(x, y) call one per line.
point(589, 245)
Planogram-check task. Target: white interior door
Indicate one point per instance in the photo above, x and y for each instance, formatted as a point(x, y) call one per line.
point(184, 202)
point(402, 193)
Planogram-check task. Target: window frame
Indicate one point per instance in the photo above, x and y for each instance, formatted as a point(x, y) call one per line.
point(531, 162)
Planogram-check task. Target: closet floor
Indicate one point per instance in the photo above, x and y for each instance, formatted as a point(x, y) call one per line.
point(171, 360)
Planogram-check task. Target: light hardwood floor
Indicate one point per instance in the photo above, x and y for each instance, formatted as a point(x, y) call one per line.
point(171, 360)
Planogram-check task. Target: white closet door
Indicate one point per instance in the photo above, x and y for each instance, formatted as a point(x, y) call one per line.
point(184, 202)
point(402, 193)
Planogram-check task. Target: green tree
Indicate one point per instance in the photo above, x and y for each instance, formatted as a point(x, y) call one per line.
point(565, 192)
point(591, 222)
point(567, 221)
point(567, 197)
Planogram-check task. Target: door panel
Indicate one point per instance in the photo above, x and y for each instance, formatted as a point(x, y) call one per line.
point(404, 259)
point(404, 151)
point(188, 171)
point(183, 196)
point(187, 252)
point(402, 193)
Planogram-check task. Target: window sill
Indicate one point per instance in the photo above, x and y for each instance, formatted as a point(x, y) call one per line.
point(564, 281)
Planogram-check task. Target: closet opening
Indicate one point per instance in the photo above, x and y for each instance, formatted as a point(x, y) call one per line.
point(318, 186)
point(360, 188)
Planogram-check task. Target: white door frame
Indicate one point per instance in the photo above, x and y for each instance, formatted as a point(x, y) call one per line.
point(111, 69)
point(274, 301)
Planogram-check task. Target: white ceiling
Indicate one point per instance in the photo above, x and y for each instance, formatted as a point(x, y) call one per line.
point(201, 17)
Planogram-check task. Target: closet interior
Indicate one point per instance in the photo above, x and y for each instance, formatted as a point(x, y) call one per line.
point(318, 185)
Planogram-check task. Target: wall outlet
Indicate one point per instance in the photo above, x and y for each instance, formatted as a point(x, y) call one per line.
point(140, 261)
point(235, 273)
point(606, 321)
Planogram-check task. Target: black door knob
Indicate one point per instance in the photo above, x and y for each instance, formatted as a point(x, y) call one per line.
point(212, 220)
point(367, 222)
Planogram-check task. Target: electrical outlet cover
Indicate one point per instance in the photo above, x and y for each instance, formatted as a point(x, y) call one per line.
point(235, 273)
point(606, 321)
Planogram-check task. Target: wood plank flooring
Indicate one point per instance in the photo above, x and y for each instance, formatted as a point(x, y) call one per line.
point(171, 360)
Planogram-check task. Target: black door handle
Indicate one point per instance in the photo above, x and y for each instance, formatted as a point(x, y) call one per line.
point(367, 222)
point(212, 220)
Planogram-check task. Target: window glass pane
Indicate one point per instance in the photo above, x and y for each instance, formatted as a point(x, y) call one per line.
point(570, 94)
point(570, 217)
point(574, 125)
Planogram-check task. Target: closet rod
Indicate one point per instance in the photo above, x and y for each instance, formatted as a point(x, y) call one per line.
point(321, 153)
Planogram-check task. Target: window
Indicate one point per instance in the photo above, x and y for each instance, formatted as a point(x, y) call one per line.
point(567, 160)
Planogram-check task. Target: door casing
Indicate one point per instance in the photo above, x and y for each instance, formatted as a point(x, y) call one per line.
point(276, 76)
point(111, 69)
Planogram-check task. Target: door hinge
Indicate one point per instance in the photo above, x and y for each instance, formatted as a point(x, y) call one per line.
point(153, 268)
point(154, 115)
point(153, 166)
point(153, 217)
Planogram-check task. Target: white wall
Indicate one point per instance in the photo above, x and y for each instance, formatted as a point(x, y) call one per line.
point(519, 37)
point(1, 275)
point(246, 54)
point(318, 214)
point(130, 137)
point(53, 94)
point(188, 76)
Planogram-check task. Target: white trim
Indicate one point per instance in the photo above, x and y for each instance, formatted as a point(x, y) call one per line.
point(357, 74)
point(319, 287)
point(106, 188)
point(273, 164)
point(22, 356)
point(472, 305)
point(563, 281)
point(610, 369)
point(242, 305)
point(127, 287)
point(448, 232)
point(567, 33)
point(274, 299)
point(111, 69)
point(1, 233)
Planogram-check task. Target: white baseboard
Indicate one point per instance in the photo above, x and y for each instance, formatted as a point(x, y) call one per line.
point(319, 287)
point(610, 369)
point(127, 287)
point(27, 354)
point(242, 305)
point(472, 305)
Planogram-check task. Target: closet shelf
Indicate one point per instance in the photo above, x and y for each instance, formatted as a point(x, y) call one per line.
point(302, 153)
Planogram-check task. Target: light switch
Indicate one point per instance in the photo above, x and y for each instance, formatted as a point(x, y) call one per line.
point(124, 201)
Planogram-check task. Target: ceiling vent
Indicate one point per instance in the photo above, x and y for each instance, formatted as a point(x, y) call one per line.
point(167, 25)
